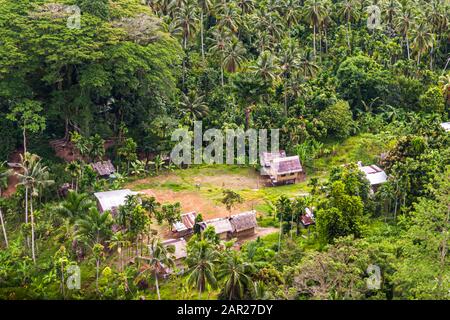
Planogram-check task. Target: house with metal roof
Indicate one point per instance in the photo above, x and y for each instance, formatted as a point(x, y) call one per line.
point(374, 174)
point(278, 169)
point(104, 168)
point(185, 226)
point(111, 200)
point(244, 224)
point(308, 218)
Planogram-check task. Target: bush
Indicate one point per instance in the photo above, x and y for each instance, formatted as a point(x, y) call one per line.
point(433, 100)
point(338, 119)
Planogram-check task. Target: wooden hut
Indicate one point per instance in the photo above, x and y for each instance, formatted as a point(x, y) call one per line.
point(244, 224)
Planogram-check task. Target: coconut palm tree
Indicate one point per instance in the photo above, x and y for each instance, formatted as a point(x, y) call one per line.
point(33, 176)
point(423, 40)
point(227, 17)
point(160, 258)
point(236, 276)
point(306, 66)
point(74, 206)
point(271, 23)
point(313, 13)
point(246, 6)
point(186, 22)
point(205, 6)
point(201, 260)
point(288, 64)
point(390, 9)
point(220, 39)
point(266, 67)
point(347, 11)
point(233, 55)
point(193, 106)
point(291, 12)
point(403, 23)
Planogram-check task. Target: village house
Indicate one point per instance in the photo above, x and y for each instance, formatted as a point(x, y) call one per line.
point(374, 174)
point(111, 200)
point(185, 227)
point(308, 218)
point(222, 226)
point(279, 169)
point(244, 224)
point(104, 169)
point(179, 251)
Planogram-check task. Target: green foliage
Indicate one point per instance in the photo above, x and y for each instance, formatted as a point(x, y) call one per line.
point(340, 214)
point(338, 120)
point(432, 100)
point(231, 198)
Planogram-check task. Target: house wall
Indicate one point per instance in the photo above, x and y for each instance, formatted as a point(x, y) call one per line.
point(223, 236)
point(244, 233)
point(184, 233)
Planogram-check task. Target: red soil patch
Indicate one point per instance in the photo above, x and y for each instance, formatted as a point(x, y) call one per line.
point(65, 149)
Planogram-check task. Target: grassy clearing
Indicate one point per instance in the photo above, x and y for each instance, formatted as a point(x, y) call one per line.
point(203, 185)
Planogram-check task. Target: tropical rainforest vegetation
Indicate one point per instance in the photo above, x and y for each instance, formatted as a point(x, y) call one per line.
point(325, 72)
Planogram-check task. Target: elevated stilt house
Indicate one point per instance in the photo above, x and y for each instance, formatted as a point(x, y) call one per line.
point(278, 169)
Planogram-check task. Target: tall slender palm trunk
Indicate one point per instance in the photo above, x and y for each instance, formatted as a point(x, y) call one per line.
point(201, 35)
point(26, 214)
point(3, 228)
point(348, 35)
point(33, 253)
point(24, 133)
point(157, 285)
point(314, 40)
point(407, 47)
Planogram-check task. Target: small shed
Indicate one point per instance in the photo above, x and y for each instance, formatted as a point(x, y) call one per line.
point(185, 226)
point(222, 227)
point(111, 200)
point(374, 174)
point(244, 224)
point(308, 218)
point(104, 168)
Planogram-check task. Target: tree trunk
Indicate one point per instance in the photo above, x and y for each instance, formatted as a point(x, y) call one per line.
point(348, 35)
point(407, 47)
point(3, 228)
point(314, 40)
point(285, 99)
point(26, 212)
point(97, 268)
point(24, 133)
point(157, 285)
point(33, 254)
point(201, 35)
